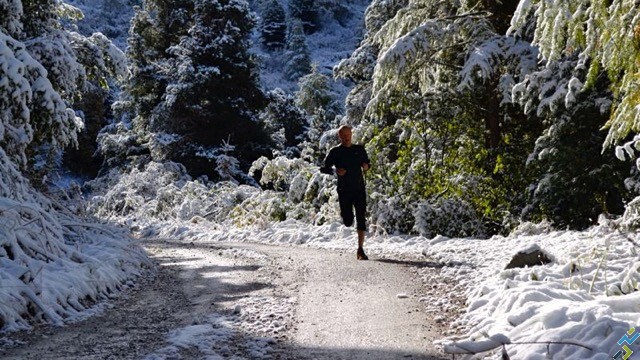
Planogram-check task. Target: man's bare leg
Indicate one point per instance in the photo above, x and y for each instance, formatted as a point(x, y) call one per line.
point(361, 254)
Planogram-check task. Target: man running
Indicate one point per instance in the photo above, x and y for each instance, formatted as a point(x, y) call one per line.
point(349, 161)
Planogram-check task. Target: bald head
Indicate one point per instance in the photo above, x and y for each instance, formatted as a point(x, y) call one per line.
point(344, 134)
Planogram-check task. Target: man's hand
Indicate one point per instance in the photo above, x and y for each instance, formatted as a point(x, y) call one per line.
point(341, 171)
point(365, 166)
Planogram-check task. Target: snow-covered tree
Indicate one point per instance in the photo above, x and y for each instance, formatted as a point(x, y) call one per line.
point(360, 65)
point(315, 97)
point(193, 85)
point(297, 55)
point(334, 10)
point(314, 93)
point(576, 180)
point(213, 95)
point(429, 136)
point(307, 12)
point(603, 35)
point(155, 28)
point(273, 25)
point(586, 76)
point(46, 69)
point(109, 17)
point(283, 115)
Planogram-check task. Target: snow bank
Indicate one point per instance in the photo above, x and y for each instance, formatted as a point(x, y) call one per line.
point(582, 303)
point(53, 264)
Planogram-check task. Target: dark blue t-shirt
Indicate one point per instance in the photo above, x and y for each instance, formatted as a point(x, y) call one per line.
point(351, 159)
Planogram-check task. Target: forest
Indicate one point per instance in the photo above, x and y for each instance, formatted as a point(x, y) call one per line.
point(478, 116)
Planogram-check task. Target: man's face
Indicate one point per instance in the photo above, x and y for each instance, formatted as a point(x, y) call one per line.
point(345, 136)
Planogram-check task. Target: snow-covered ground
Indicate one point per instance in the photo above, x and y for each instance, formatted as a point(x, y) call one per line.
point(586, 298)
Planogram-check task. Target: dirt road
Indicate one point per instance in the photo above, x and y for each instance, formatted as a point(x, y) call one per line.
point(250, 301)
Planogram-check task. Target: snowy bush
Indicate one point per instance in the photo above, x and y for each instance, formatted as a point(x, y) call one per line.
point(157, 191)
point(260, 210)
point(164, 192)
point(53, 263)
point(631, 216)
point(447, 217)
point(390, 214)
point(529, 228)
point(310, 195)
point(278, 172)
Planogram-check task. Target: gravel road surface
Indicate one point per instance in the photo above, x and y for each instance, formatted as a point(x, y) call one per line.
point(252, 301)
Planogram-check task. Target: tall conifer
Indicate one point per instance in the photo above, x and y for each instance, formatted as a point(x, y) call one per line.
point(214, 95)
point(298, 58)
point(307, 12)
point(273, 25)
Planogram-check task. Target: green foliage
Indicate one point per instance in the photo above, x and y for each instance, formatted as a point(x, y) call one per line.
point(266, 208)
point(317, 100)
point(314, 92)
point(605, 34)
point(577, 181)
point(305, 194)
point(427, 140)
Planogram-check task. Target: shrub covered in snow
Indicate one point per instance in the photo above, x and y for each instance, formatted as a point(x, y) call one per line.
point(447, 217)
point(311, 196)
point(390, 214)
point(164, 192)
point(53, 263)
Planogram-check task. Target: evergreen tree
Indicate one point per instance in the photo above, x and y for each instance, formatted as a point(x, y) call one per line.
point(360, 65)
point(587, 79)
point(577, 181)
point(574, 180)
point(336, 9)
point(273, 26)
point(307, 12)
point(283, 115)
point(603, 35)
point(214, 94)
point(155, 28)
point(298, 58)
point(315, 95)
point(317, 100)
